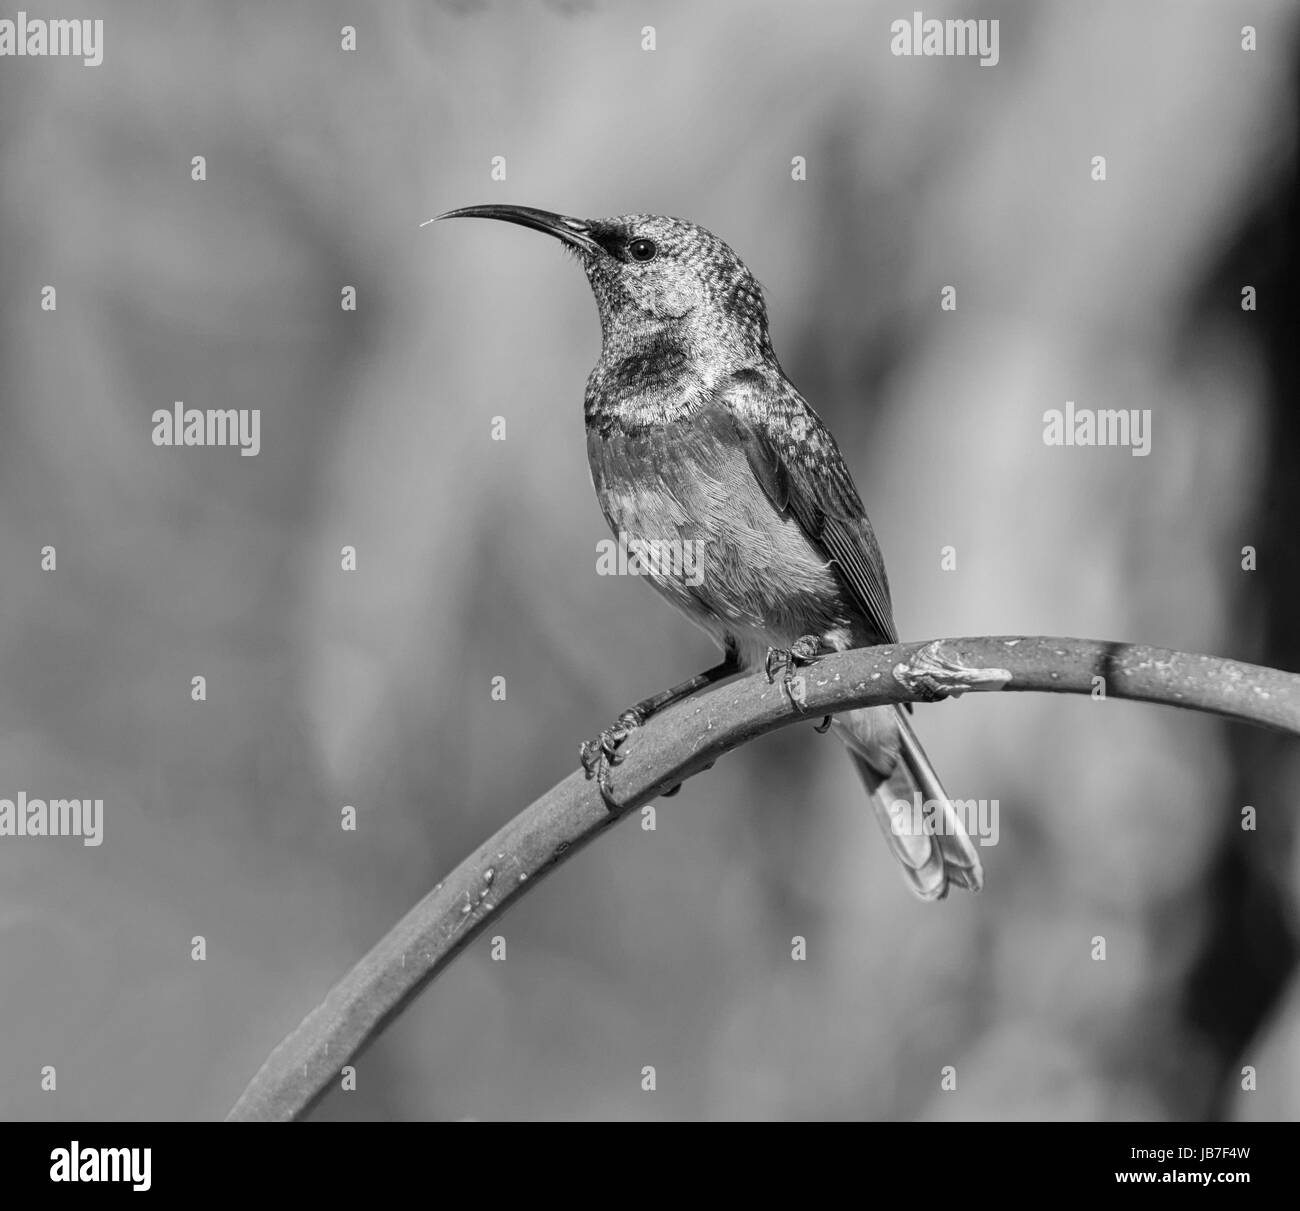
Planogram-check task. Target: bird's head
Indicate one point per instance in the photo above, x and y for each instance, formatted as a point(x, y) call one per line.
point(649, 272)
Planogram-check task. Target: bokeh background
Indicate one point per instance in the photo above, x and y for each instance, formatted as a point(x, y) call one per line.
point(477, 558)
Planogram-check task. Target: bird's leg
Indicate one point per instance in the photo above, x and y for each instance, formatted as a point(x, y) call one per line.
point(599, 756)
point(802, 651)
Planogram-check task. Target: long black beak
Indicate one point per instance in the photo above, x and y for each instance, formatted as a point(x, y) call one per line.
point(574, 232)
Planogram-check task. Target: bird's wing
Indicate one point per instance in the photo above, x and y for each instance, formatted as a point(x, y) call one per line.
point(795, 459)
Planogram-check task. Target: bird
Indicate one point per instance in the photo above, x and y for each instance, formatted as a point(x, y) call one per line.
point(695, 435)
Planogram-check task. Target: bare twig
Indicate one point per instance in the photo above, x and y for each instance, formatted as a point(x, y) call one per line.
point(683, 741)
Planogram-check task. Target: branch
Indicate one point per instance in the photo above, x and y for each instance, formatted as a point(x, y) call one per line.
point(680, 743)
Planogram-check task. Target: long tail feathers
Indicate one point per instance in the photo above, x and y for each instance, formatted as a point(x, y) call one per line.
point(894, 768)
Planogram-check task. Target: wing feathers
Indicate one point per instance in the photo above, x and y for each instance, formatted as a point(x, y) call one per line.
point(795, 459)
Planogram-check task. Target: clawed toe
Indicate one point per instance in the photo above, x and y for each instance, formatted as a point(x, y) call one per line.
point(800, 653)
point(599, 756)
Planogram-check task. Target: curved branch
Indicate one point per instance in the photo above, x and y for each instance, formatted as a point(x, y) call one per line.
point(685, 740)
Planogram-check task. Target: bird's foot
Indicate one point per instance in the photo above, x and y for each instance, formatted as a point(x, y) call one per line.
point(803, 651)
point(599, 756)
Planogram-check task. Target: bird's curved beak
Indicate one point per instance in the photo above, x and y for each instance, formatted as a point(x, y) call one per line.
point(574, 232)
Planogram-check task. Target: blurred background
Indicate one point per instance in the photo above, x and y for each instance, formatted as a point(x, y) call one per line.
point(476, 558)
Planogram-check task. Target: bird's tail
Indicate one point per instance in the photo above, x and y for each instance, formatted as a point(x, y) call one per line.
point(930, 842)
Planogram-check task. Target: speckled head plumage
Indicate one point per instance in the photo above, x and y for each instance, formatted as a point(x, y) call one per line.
point(653, 271)
point(663, 268)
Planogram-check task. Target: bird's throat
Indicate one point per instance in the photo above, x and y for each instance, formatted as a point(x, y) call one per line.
point(646, 376)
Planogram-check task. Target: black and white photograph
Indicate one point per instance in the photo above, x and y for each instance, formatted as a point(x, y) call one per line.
point(635, 561)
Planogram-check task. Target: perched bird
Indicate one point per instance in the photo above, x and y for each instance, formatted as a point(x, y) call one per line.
point(695, 435)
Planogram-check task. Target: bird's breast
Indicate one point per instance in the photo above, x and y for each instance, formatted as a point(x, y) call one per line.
point(686, 499)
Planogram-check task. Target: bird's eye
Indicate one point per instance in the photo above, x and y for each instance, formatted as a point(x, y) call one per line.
point(642, 250)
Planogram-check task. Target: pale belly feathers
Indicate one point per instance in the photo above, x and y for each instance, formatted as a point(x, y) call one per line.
point(749, 574)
